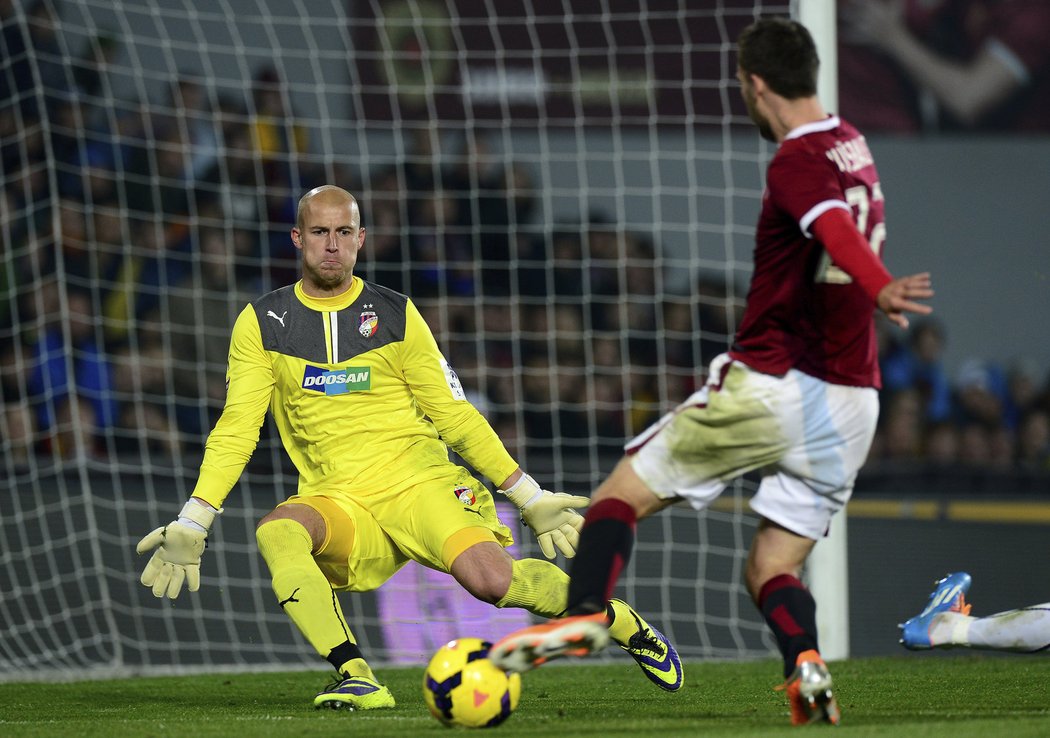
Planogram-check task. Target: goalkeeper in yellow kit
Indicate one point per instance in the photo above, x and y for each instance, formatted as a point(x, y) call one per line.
point(367, 408)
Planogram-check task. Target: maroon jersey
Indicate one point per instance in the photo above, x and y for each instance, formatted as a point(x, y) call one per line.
point(802, 311)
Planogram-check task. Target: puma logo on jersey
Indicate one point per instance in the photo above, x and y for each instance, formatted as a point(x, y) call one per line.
point(275, 316)
point(291, 598)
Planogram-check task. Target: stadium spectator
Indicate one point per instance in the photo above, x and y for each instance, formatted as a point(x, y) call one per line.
point(419, 169)
point(1002, 443)
point(67, 121)
point(901, 427)
point(19, 430)
point(92, 119)
point(198, 314)
point(155, 260)
point(718, 314)
point(70, 377)
point(985, 63)
point(941, 442)
point(90, 77)
point(162, 181)
point(679, 323)
point(980, 392)
point(1022, 390)
point(975, 444)
point(12, 47)
point(38, 71)
point(874, 93)
point(487, 212)
point(191, 110)
point(602, 255)
point(443, 264)
point(918, 364)
point(28, 183)
point(235, 186)
point(145, 425)
point(639, 303)
point(1033, 440)
point(946, 622)
point(748, 416)
point(279, 138)
point(387, 253)
point(538, 407)
point(376, 485)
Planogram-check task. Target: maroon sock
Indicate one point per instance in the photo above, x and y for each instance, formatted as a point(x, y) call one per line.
point(605, 548)
point(791, 613)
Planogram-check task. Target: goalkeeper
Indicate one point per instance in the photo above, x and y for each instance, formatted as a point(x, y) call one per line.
point(365, 404)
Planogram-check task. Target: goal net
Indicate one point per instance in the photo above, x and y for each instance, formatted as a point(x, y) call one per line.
point(566, 189)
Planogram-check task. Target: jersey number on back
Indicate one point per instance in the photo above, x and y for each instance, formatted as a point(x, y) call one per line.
point(857, 197)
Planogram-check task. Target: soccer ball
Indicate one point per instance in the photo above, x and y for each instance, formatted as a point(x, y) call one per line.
point(462, 687)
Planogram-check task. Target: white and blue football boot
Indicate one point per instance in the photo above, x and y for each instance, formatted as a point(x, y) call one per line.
point(948, 596)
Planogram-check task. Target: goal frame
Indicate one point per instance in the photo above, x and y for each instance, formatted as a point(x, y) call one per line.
point(827, 571)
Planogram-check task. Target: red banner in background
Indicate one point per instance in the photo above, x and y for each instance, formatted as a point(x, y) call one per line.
point(546, 62)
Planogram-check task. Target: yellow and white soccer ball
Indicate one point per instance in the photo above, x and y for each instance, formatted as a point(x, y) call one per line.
point(462, 687)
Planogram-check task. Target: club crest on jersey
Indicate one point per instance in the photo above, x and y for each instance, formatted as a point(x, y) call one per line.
point(465, 495)
point(369, 323)
point(337, 381)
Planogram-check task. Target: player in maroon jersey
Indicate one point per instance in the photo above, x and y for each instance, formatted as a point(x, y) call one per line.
point(796, 396)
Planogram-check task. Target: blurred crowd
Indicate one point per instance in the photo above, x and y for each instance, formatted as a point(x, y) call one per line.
point(986, 414)
point(135, 231)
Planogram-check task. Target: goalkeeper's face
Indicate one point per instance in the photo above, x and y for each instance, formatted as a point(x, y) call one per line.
point(330, 236)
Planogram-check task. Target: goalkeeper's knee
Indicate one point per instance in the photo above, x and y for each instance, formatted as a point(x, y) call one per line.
point(537, 586)
point(282, 538)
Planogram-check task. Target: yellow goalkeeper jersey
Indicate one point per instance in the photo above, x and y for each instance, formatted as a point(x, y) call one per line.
point(360, 393)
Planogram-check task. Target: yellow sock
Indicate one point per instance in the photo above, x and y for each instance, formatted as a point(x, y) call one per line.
point(306, 596)
point(624, 621)
point(539, 587)
point(356, 668)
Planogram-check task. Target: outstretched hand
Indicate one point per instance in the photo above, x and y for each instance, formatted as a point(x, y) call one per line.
point(553, 518)
point(177, 548)
point(551, 515)
point(899, 296)
point(176, 559)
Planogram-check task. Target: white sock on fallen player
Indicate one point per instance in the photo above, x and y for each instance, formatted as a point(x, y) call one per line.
point(1023, 630)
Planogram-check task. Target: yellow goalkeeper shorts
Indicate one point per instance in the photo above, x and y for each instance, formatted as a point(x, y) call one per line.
point(369, 538)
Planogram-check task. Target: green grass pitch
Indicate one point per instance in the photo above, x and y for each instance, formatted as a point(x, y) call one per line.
point(907, 695)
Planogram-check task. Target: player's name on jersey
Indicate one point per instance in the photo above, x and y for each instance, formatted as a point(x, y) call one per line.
point(852, 155)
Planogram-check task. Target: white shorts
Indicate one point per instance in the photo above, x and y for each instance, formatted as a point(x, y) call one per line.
point(808, 437)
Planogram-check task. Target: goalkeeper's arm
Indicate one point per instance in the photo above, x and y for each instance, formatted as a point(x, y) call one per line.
point(179, 546)
point(552, 516)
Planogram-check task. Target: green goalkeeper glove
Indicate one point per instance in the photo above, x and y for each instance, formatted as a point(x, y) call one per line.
point(179, 546)
point(550, 515)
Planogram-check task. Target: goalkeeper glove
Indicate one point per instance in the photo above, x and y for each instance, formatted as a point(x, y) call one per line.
point(179, 546)
point(549, 514)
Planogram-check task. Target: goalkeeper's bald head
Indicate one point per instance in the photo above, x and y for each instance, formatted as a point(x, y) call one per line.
point(327, 195)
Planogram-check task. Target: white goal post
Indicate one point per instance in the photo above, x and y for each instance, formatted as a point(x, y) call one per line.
point(827, 571)
point(568, 191)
